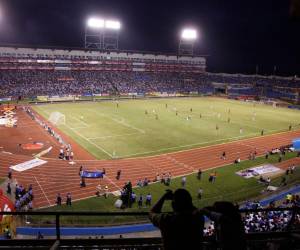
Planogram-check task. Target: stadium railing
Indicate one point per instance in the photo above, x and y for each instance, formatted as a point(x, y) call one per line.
point(287, 238)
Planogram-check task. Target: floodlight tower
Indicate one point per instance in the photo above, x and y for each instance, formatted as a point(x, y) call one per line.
point(93, 38)
point(111, 35)
point(188, 37)
point(102, 34)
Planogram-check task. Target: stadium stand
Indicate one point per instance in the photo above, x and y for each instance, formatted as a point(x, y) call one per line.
point(27, 72)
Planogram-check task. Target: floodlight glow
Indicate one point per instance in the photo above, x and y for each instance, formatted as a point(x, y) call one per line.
point(95, 23)
point(189, 34)
point(115, 25)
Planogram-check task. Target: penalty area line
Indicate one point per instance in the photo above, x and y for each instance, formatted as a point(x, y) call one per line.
point(89, 141)
point(112, 136)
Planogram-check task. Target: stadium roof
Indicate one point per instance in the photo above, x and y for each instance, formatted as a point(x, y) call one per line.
point(95, 50)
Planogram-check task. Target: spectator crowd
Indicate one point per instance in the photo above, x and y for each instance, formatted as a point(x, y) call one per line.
point(35, 82)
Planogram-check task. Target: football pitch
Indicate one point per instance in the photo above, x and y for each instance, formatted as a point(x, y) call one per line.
point(132, 128)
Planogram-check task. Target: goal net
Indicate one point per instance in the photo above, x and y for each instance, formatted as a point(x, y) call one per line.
point(57, 118)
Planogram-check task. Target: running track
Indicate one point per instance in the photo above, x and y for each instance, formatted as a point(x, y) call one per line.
point(59, 176)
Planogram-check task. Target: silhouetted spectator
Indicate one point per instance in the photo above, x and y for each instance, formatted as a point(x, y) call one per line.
point(229, 227)
point(182, 229)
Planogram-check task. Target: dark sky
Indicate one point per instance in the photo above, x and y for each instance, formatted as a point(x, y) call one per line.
point(236, 34)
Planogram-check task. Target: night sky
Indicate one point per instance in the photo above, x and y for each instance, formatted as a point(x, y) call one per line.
point(236, 34)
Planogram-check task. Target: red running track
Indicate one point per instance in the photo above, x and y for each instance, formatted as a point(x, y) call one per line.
point(59, 176)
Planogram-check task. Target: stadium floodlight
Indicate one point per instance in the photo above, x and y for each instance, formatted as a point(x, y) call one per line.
point(95, 23)
point(189, 34)
point(114, 25)
point(102, 33)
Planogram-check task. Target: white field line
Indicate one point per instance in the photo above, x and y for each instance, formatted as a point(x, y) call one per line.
point(94, 144)
point(251, 146)
point(111, 136)
point(78, 127)
point(72, 117)
point(42, 190)
point(122, 122)
point(82, 136)
point(75, 118)
point(230, 139)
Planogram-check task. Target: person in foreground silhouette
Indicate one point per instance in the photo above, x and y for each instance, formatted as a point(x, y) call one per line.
point(183, 228)
point(230, 233)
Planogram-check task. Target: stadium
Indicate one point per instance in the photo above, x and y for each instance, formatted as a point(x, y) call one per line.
point(92, 137)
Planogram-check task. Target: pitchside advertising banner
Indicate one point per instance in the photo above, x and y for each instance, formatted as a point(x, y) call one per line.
point(57, 98)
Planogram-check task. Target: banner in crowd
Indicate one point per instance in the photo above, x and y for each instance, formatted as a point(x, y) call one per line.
point(92, 174)
point(28, 165)
point(5, 99)
point(257, 171)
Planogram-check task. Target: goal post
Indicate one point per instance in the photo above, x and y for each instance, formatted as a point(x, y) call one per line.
point(57, 118)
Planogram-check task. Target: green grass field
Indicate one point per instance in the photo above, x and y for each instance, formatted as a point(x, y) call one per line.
point(108, 131)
